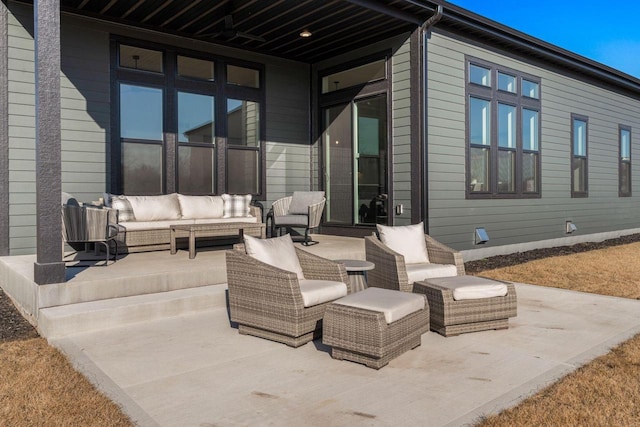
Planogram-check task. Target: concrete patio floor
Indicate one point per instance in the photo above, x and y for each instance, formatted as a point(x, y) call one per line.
point(196, 370)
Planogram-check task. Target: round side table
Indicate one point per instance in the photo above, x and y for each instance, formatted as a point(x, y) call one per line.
point(357, 271)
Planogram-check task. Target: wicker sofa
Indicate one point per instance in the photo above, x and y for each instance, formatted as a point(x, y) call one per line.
point(143, 221)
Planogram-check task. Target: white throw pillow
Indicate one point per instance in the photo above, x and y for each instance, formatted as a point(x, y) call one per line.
point(278, 252)
point(198, 207)
point(407, 240)
point(155, 208)
point(236, 206)
point(122, 205)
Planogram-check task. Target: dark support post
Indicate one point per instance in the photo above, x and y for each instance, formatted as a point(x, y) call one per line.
point(49, 267)
point(418, 179)
point(4, 130)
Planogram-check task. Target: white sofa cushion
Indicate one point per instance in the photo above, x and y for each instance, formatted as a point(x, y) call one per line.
point(394, 304)
point(278, 252)
point(407, 240)
point(155, 208)
point(471, 287)
point(316, 292)
point(426, 270)
point(236, 206)
point(248, 219)
point(197, 207)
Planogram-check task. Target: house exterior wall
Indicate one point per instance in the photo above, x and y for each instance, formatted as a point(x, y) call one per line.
point(86, 115)
point(452, 218)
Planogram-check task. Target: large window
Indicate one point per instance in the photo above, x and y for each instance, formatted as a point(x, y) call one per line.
point(186, 122)
point(624, 135)
point(579, 164)
point(503, 132)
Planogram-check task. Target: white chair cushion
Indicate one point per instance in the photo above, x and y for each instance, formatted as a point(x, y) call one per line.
point(316, 292)
point(407, 240)
point(278, 252)
point(426, 270)
point(394, 304)
point(197, 207)
point(155, 208)
point(154, 225)
point(236, 206)
point(471, 287)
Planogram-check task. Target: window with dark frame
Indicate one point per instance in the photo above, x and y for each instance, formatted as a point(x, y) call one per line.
point(579, 156)
point(186, 121)
point(503, 132)
point(624, 135)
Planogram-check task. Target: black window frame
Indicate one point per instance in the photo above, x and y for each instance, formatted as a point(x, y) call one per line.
point(580, 194)
point(622, 161)
point(496, 97)
point(171, 83)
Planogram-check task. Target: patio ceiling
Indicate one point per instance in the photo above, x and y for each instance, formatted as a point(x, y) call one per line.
point(266, 26)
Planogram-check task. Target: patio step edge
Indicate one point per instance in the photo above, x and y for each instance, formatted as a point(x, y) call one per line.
point(61, 321)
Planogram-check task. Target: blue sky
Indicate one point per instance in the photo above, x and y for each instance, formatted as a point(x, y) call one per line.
point(607, 32)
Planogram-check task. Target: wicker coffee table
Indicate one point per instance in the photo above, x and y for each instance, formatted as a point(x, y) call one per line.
point(194, 231)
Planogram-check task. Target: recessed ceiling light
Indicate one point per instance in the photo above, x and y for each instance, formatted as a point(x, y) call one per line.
point(305, 33)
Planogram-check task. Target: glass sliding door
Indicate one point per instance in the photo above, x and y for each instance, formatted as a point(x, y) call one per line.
point(371, 160)
point(338, 156)
point(355, 162)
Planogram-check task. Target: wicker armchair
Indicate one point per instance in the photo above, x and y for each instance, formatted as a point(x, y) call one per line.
point(391, 272)
point(266, 301)
point(90, 225)
point(283, 217)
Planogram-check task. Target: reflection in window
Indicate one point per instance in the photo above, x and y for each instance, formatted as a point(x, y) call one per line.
point(506, 171)
point(142, 168)
point(242, 171)
point(140, 112)
point(242, 76)
point(138, 58)
point(480, 121)
point(530, 89)
point(506, 82)
point(506, 126)
point(195, 170)
point(243, 123)
point(354, 76)
point(529, 129)
point(479, 171)
point(579, 161)
point(479, 75)
point(625, 162)
point(196, 118)
point(195, 68)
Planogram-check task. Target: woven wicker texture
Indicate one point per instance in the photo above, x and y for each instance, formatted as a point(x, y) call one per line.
point(363, 336)
point(450, 317)
point(391, 272)
point(266, 301)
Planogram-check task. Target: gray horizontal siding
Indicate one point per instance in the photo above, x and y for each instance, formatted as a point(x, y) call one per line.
point(452, 218)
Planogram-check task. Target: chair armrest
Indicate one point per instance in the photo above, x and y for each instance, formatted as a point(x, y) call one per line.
point(315, 214)
point(318, 268)
point(440, 253)
point(267, 285)
point(256, 211)
point(390, 271)
point(281, 206)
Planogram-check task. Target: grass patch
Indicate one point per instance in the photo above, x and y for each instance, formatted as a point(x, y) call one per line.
point(39, 387)
point(604, 392)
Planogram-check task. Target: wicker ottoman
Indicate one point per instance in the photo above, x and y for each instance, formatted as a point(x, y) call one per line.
point(453, 317)
point(375, 325)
